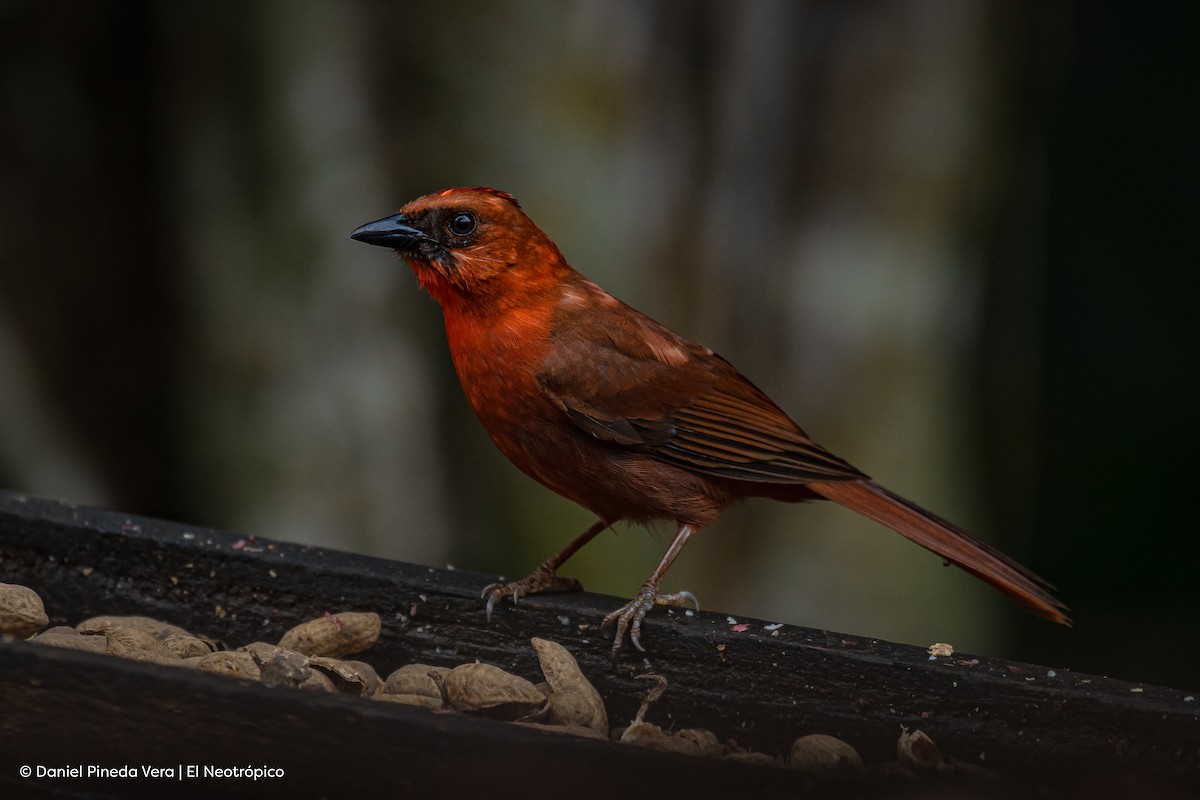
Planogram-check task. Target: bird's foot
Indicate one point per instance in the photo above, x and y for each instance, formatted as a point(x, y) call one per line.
point(540, 580)
point(629, 616)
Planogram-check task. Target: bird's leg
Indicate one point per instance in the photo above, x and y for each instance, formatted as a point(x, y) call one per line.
point(629, 616)
point(543, 577)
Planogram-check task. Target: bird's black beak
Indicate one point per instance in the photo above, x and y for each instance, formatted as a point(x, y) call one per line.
point(393, 231)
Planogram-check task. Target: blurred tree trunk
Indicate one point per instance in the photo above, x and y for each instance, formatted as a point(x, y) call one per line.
point(86, 336)
point(309, 408)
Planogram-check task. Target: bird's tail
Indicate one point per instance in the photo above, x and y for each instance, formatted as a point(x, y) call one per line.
point(948, 541)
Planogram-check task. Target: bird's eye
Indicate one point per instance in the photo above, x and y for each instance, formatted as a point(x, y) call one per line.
point(462, 223)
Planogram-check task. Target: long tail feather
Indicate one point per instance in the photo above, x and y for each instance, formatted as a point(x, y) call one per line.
point(948, 541)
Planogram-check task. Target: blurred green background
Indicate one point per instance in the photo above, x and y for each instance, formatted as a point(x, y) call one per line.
point(956, 240)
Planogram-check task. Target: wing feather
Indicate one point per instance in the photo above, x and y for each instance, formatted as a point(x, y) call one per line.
point(638, 384)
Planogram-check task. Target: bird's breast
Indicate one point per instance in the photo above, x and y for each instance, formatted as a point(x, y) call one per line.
point(496, 358)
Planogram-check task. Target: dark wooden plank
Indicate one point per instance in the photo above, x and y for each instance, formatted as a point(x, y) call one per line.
point(759, 688)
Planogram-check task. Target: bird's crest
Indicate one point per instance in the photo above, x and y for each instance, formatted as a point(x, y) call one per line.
point(486, 190)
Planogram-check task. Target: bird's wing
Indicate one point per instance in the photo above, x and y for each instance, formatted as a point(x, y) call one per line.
point(636, 383)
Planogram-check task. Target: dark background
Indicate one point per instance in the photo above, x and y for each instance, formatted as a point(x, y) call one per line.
point(956, 240)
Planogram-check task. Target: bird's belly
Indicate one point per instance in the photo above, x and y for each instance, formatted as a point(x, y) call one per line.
point(612, 481)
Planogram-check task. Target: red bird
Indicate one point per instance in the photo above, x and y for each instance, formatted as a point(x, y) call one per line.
point(619, 413)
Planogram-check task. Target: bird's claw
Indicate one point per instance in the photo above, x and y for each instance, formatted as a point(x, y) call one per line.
point(628, 618)
point(540, 580)
point(678, 600)
point(488, 592)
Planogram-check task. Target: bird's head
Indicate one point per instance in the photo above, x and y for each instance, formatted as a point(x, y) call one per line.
point(468, 242)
